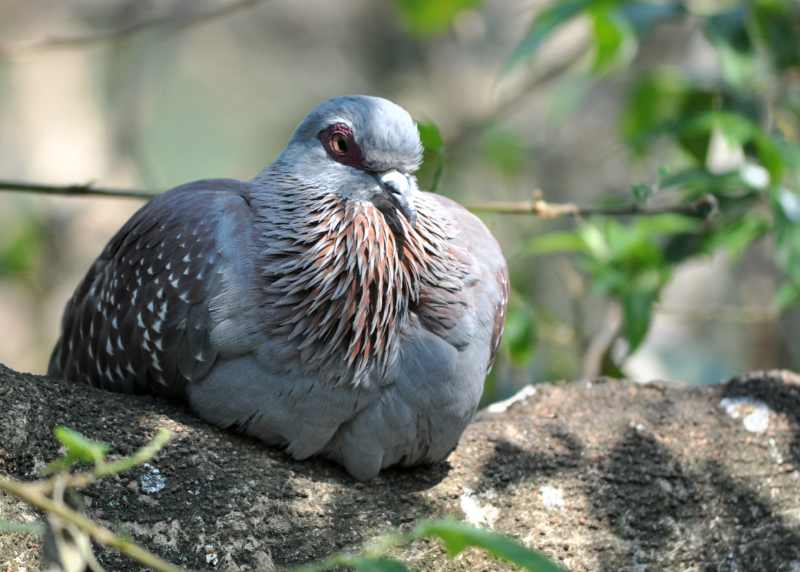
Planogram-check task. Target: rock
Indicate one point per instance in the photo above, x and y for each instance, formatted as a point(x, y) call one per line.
point(607, 475)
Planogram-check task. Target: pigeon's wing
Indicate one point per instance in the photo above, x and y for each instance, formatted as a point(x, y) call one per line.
point(142, 318)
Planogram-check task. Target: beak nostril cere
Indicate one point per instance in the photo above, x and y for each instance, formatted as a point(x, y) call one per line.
point(399, 192)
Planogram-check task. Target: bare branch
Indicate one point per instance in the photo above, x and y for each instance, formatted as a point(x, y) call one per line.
point(703, 208)
point(81, 190)
point(178, 20)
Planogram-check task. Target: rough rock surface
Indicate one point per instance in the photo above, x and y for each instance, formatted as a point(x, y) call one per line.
point(602, 476)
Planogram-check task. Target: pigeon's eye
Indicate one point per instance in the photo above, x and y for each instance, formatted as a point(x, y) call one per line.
point(341, 146)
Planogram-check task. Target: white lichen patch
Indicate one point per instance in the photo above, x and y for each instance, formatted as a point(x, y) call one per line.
point(552, 497)
point(521, 395)
point(477, 513)
point(152, 481)
point(753, 413)
point(775, 454)
point(212, 556)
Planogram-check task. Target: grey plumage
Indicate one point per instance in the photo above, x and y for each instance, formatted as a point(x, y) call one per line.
point(328, 306)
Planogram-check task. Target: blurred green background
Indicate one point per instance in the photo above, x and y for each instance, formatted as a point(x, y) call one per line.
point(602, 102)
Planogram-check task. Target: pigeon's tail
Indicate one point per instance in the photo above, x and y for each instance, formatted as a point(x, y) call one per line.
point(54, 367)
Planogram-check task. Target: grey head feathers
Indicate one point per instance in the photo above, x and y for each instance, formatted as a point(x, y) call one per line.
point(384, 131)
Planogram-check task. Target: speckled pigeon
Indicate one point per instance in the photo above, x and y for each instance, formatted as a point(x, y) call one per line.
point(328, 306)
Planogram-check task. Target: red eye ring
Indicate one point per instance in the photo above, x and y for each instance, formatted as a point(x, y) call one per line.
point(338, 141)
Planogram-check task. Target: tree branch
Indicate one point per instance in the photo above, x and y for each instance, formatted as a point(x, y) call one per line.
point(176, 19)
point(78, 190)
point(704, 207)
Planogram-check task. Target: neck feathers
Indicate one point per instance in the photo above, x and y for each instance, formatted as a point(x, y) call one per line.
point(340, 280)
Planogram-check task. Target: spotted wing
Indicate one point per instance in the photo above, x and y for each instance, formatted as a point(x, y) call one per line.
point(140, 320)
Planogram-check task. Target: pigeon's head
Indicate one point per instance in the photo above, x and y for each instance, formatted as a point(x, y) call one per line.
point(362, 148)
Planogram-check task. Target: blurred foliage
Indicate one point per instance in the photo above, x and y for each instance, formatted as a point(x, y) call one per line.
point(424, 17)
point(725, 126)
point(21, 246)
point(433, 157)
point(733, 136)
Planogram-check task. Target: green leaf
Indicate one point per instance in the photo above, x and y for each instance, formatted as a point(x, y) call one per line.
point(458, 536)
point(642, 192)
point(637, 313)
point(556, 242)
point(595, 241)
point(770, 156)
point(79, 447)
point(431, 138)
point(655, 226)
point(736, 236)
point(653, 101)
point(728, 32)
point(778, 25)
point(614, 40)
point(433, 155)
point(730, 27)
point(425, 17)
point(544, 24)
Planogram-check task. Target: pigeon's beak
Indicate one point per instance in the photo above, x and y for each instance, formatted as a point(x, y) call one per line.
point(398, 190)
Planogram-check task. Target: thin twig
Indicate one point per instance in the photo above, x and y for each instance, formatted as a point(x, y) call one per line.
point(99, 533)
point(176, 19)
point(704, 207)
point(79, 190)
